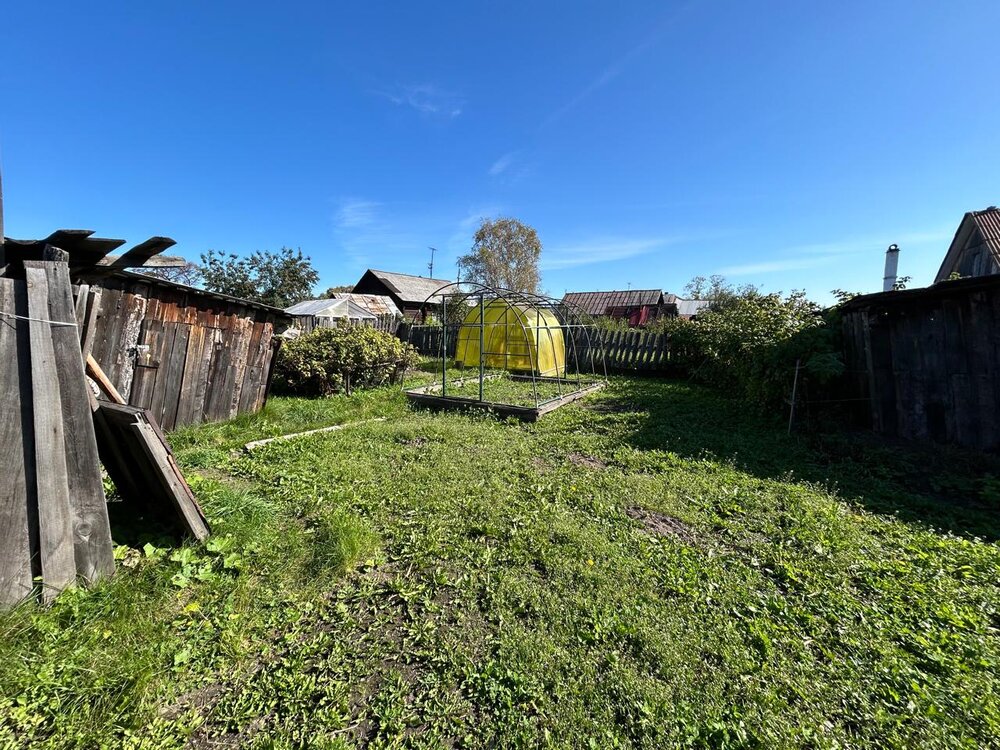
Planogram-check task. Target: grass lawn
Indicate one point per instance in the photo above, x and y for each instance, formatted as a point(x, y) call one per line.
point(650, 567)
point(500, 388)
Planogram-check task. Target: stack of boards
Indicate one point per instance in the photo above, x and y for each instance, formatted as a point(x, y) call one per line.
point(54, 435)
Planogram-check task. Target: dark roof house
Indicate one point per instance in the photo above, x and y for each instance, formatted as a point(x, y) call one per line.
point(408, 292)
point(975, 250)
point(601, 303)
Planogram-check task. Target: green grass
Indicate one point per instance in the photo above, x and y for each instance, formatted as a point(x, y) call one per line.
point(650, 567)
point(500, 388)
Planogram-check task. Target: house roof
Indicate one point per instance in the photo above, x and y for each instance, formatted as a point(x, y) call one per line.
point(597, 303)
point(987, 222)
point(331, 308)
point(409, 288)
point(378, 304)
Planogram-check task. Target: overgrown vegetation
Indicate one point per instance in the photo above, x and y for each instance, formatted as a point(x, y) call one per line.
point(652, 567)
point(319, 363)
point(749, 343)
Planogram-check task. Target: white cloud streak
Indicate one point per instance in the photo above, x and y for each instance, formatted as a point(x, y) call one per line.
point(824, 253)
point(598, 251)
point(502, 164)
point(425, 98)
point(355, 214)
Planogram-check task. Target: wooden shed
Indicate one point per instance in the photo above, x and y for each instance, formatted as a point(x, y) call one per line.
point(925, 363)
point(187, 355)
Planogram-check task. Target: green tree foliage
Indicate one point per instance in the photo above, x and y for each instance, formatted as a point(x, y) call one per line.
point(338, 290)
point(715, 288)
point(317, 363)
point(504, 254)
point(279, 279)
point(749, 345)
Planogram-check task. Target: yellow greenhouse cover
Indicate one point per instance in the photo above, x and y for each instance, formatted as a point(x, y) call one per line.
point(517, 337)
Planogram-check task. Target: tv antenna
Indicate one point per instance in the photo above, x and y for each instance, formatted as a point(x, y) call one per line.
point(430, 266)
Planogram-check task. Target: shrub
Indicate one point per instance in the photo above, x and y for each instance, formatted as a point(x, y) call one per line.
point(319, 363)
point(749, 344)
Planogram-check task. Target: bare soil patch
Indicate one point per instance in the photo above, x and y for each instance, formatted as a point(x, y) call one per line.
point(661, 524)
point(589, 462)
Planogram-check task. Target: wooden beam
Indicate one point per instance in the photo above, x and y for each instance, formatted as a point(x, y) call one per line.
point(157, 261)
point(16, 449)
point(92, 546)
point(55, 525)
point(137, 256)
point(96, 372)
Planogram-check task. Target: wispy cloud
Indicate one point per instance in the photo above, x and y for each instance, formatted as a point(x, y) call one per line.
point(426, 98)
point(599, 251)
point(825, 253)
point(612, 71)
point(502, 164)
point(354, 214)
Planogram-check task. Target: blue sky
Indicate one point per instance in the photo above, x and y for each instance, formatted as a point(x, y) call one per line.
point(784, 143)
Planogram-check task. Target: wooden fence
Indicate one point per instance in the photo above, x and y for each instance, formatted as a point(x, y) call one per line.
point(630, 350)
point(925, 363)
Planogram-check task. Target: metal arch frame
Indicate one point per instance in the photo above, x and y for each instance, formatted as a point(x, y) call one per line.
point(570, 318)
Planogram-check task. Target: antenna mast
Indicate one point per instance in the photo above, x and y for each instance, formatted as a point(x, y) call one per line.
point(430, 266)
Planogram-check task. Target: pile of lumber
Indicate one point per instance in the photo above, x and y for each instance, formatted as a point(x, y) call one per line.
point(55, 434)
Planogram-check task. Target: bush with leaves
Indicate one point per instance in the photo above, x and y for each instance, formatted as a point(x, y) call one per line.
point(749, 345)
point(318, 363)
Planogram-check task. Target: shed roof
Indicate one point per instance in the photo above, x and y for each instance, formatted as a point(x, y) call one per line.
point(409, 288)
point(922, 294)
point(379, 304)
point(331, 308)
point(597, 303)
point(167, 284)
point(987, 222)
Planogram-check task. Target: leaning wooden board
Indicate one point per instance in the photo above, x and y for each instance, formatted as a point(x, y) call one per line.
point(55, 519)
point(16, 448)
point(92, 545)
point(139, 461)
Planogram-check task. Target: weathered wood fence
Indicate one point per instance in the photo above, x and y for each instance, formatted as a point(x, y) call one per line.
point(53, 514)
point(925, 363)
point(623, 351)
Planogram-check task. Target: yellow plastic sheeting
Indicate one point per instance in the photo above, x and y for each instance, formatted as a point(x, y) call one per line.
point(517, 337)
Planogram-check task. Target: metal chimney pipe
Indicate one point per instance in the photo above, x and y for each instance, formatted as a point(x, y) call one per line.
point(891, 264)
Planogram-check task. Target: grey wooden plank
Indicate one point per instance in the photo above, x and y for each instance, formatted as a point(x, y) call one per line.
point(173, 483)
point(16, 448)
point(174, 365)
point(55, 520)
point(92, 545)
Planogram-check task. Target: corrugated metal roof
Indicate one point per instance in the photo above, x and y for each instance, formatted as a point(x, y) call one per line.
point(378, 304)
point(598, 303)
point(408, 288)
point(313, 307)
point(341, 307)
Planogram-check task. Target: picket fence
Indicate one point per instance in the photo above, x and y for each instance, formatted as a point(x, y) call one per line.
point(630, 350)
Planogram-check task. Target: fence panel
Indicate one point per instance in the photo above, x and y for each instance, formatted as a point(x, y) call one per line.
point(624, 351)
